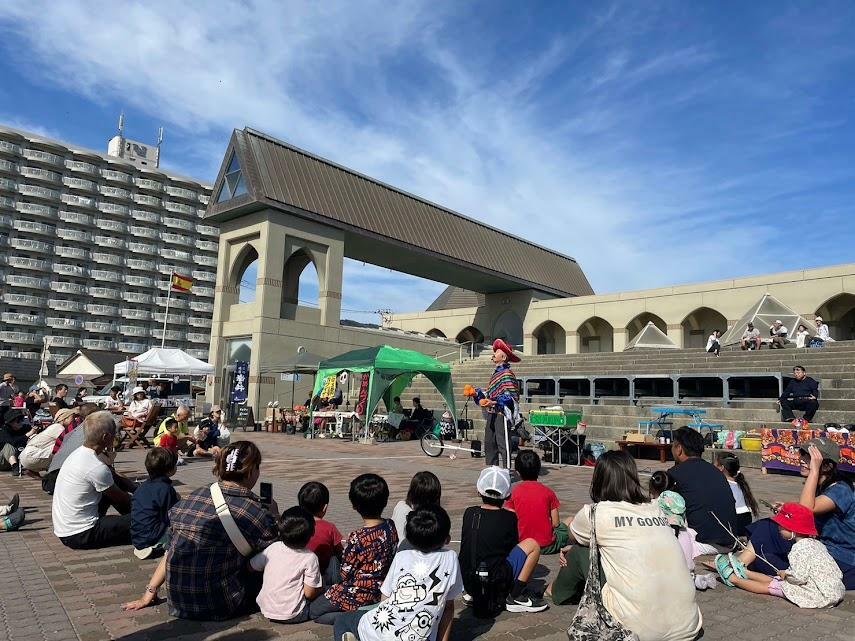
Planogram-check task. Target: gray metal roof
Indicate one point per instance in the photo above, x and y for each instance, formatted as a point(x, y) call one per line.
point(456, 298)
point(282, 176)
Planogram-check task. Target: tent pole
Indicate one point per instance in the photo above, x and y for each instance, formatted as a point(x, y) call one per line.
point(293, 380)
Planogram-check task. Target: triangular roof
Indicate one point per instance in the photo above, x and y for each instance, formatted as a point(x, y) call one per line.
point(651, 337)
point(763, 313)
point(385, 357)
point(90, 359)
point(166, 361)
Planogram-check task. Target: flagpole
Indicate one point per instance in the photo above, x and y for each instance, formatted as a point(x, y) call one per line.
point(166, 315)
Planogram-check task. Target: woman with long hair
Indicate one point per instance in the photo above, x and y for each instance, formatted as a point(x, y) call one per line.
point(641, 563)
point(746, 505)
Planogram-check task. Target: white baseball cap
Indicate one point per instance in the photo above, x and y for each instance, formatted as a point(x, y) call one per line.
point(494, 482)
point(137, 390)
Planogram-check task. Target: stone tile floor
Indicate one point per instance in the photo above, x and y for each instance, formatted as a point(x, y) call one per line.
point(51, 592)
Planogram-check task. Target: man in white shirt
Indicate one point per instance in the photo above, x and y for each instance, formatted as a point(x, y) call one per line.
point(85, 489)
point(751, 337)
point(779, 335)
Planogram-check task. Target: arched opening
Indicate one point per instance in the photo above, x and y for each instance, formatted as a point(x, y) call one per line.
point(700, 324)
point(596, 335)
point(509, 328)
point(435, 333)
point(470, 335)
point(300, 288)
point(245, 275)
point(550, 338)
point(839, 314)
point(640, 322)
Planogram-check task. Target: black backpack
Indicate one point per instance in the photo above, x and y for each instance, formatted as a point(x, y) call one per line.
point(488, 585)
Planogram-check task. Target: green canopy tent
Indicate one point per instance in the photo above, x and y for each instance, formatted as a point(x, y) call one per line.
point(391, 371)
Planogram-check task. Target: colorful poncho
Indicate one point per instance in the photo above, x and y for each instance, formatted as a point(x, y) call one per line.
point(503, 387)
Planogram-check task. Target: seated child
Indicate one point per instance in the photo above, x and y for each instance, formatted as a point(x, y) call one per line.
point(314, 497)
point(152, 502)
point(419, 591)
point(425, 489)
point(746, 504)
point(537, 507)
point(813, 580)
point(168, 440)
point(207, 437)
point(292, 577)
point(489, 546)
point(367, 555)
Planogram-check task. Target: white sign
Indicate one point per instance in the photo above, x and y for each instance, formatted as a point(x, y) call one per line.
point(289, 377)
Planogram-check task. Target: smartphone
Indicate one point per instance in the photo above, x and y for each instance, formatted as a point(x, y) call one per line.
point(266, 493)
point(769, 505)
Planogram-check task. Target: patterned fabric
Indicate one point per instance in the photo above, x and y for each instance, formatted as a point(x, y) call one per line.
point(814, 579)
point(367, 558)
point(503, 387)
point(72, 425)
point(206, 576)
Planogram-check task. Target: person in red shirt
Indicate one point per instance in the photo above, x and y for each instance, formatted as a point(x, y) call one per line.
point(537, 507)
point(326, 542)
point(169, 440)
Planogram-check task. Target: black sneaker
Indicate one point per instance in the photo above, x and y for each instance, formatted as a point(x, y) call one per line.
point(525, 602)
point(14, 503)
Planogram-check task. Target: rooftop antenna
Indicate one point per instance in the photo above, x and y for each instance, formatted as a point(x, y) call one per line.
point(159, 137)
point(122, 124)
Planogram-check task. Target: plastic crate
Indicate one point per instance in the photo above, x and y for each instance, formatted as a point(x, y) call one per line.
point(567, 419)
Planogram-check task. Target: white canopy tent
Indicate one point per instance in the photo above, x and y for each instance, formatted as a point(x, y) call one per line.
point(163, 361)
point(651, 337)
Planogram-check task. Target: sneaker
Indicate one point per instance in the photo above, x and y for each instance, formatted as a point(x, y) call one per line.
point(14, 503)
point(467, 599)
point(525, 602)
point(181, 461)
point(349, 636)
point(144, 553)
point(14, 520)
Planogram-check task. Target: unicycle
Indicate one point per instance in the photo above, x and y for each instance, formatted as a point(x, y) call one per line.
point(432, 444)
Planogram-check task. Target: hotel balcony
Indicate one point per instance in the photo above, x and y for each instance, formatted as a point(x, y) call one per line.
point(64, 323)
point(198, 338)
point(107, 259)
point(29, 320)
point(201, 354)
point(109, 241)
point(5, 221)
point(8, 353)
point(69, 288)
point(20, 262)
point(71, 252)
point(178, 223)
point(43, 211)
point(24, 244)
point(65, 305)
point(205, 276)
point(100, 327)
point(145, 215)
point(63, 341)
point(171, 334)
point(83, 167)
point(199, 306)
point(29, 356)
point(207, 292)
point(174, 318)
point(198, 321)
point(114, 192)
point(113, 208)
point(24, 300)
point(90, 343)
point(102, 310)
point(139, 281)
point(174, 303)
point(34, 191)
point(207, 245)
point(143, 266)
point(138, 231)
point(80, 183)
point(8, 166)
point(76, 200)
point(73, 234)
point(37, 173)
point(43, 156)
point(105, 224)
point(26, 338)
point(138, 297)
point(179, 208)
point(133, 330)
point(7, 203)
point(174, 254)
point(10, 148)
point(7, 184)
point(175, 239)
point(208, 230)
point(145, 199)
point(201, 259)
point(151, 185)
point(69, 270)
point(108, 275)
point(26, 282)
point(204, 199)
point(181, 192)
point(116, 176)
point(165, 268)
point(133, 348)
point(74, 217)
point(136, 314)
point(104, 292)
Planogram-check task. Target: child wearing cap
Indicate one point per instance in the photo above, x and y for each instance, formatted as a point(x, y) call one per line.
point(813, 579)
point(489, 550)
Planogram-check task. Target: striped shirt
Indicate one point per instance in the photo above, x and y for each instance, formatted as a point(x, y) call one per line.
point(503, 385)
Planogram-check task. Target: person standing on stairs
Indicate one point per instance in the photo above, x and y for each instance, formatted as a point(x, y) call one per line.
point(501, 402)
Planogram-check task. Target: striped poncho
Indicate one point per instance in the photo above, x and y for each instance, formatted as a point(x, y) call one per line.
point(503, 387)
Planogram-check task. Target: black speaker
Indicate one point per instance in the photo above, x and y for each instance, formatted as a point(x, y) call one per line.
point(476, 446)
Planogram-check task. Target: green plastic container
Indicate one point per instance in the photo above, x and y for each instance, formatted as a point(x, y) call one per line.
point(567, 419)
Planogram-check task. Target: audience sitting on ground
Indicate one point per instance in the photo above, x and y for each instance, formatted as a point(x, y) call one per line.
point(8, 391)
point(86, 489)
point(326, 542)
point(68, 440)
point(419, 590)
point(38, 453)
point(710, 507)
point(829, 494)
point(61, 392)
point(223, 434)
point(11, 515)
point(802, 337)
point(779, 335)
point(751, 337)
point(536, 507)
point(36, 399)
point(642, 566)
point(151, 504)
point(292, 577)
point(13, 438)
point(746, 505)
point(209, 577)
point(801, 393)
point(367, 555)
point(207, 437)
point(186, 443)
point(713, 343)
point(810, 578)
point(490, 544)
point(425, 489)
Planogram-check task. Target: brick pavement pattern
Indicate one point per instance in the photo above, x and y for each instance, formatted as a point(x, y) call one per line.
point(51, 592)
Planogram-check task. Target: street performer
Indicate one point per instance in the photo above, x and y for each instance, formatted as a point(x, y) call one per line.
point(501, 403)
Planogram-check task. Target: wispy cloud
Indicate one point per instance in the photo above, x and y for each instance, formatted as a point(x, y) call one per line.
point(643, 142)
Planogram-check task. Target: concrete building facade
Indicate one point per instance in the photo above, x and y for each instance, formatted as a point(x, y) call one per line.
point(88, 244)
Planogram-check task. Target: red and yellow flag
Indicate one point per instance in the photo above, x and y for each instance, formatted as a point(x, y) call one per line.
point(181, 284)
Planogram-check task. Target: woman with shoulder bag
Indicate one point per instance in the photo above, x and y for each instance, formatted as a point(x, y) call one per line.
point(215, 532)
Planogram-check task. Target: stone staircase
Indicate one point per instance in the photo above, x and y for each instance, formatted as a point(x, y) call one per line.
point(609, 419)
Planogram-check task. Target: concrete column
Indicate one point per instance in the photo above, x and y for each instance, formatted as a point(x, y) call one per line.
point(573, 342)
point(529, 344)
point(619, 340)
point(332, 282)
point(271, 263)
point(675, 333)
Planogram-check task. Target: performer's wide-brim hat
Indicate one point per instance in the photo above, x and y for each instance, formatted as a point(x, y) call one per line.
point(501, 345)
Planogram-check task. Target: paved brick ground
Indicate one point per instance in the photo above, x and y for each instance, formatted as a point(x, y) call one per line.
point(51, 592)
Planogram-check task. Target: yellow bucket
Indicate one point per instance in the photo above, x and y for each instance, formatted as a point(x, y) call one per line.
point(751, 443)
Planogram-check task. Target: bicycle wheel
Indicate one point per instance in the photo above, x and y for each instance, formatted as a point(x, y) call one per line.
point(431, 444)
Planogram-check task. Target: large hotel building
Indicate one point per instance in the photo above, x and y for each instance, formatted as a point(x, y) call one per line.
point(88, 242)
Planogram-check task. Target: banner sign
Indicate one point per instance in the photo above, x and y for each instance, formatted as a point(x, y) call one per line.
point(241, 381)
point(362, 403)
point(328, 390)
point(133, 370)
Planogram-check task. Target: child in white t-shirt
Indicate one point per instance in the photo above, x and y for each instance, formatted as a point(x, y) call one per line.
point(292, 576)
point(419, 591)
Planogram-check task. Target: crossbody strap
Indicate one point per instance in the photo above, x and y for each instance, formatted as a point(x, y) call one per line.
point(228, 521)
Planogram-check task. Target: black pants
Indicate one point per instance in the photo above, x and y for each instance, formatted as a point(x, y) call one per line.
point(107, 531)
point(715, 348)
point(497, 441)
point(808, 406)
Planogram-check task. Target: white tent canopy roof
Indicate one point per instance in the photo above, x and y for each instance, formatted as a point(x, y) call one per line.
point(166, 361)
point(763, 313)
point(651, 337)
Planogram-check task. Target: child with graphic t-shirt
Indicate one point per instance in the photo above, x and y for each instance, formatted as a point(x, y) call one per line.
point(314, 497)
point(537, 507)
point(291, 574)
point(419, 591)
point(367, 556)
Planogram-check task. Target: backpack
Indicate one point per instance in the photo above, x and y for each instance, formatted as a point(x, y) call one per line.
point(488, 585)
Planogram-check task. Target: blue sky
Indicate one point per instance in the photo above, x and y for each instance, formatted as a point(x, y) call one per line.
point(657, 143)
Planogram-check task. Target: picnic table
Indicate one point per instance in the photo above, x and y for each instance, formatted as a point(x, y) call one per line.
point(665, 414)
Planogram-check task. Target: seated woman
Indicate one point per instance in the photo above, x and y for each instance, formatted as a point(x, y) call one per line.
point(140, 406)
point(642, 564)
point(38, 453)
point(208, 577)
point(830, 495)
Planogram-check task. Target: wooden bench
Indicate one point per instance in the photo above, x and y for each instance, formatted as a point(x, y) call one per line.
point(664, 448)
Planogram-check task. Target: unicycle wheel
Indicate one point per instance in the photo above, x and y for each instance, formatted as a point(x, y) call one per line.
point(431, 444)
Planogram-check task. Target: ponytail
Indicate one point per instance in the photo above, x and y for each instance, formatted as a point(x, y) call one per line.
point(730, 463)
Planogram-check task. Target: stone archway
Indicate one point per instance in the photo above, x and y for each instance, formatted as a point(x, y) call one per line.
point(838, 313)
point(596, 335)
point(470, 335)
point(297, 305)
point(241, 283)
point(640, 322)
point(699, 324)
point(550, 338)
point(435, 333)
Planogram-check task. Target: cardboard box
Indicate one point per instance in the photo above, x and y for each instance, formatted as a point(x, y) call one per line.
point(634, 437)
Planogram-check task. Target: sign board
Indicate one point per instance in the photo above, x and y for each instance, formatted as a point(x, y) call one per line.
point(78, 380)
point(362, 403)
point(241, 382)
point(244, 417)
point(289, 377)
point(133, 371)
